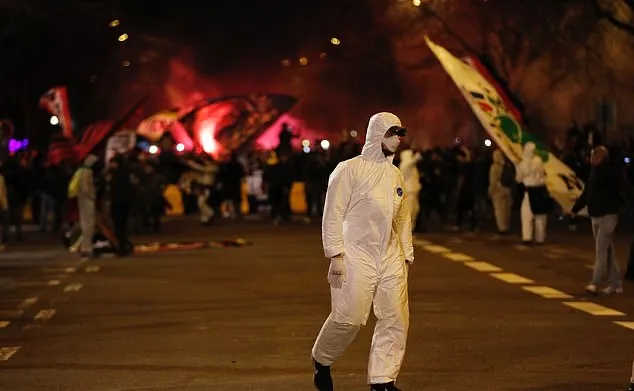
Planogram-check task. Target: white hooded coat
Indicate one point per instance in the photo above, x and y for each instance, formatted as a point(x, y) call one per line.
point(86, 204)
point(411, 177)
point(366, 219)
point(531, 173)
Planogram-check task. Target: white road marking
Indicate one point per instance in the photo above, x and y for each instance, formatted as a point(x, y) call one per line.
point(44, 315)
point(26, 303)
point(560, 250)
point(458, 257)
point(6, 353)
point(36, 284)
point(421, 242)
point(512, 278)
point(553, 256)
point(4, 324)
point(547, 292)
point(627, 325)
point(59, 270)
point(593, 308)
point(521, 247)
point(483, 267)
point(92, 269)
point(455, 240)
point(73, 287)
point(436, 249)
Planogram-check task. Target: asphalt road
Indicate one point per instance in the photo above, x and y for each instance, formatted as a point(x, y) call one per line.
point(486, 315)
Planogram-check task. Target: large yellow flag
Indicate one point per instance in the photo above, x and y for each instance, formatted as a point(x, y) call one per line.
point(502, 122)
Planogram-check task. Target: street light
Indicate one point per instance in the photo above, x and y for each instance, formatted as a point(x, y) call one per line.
point(54, 120)
point(335, 41)
point(303, 61)
point(417, 3)
point(114, 23)
point(123, 37)
point(487, 143)
point(153, 149)
point(180, 147)
point(325, 144)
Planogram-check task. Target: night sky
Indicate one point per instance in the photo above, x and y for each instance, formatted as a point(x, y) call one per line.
point(238, 31)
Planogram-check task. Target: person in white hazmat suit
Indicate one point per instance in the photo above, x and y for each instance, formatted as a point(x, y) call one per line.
point(501, 196)
point(536, 203)
point(367, 235)
point(86, 202)
point(411, 177)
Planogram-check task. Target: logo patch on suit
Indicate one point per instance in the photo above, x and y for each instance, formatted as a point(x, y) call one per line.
point(399, 191)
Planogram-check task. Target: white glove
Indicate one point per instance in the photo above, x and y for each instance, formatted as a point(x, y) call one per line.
point(336, 273)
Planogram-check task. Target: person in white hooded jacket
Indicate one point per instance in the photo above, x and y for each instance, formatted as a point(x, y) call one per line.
point(411, 177)
point(367, 236)
point(536, 203)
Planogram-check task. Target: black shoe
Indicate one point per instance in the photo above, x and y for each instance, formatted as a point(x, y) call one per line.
point(384, 387)
point(322, 378)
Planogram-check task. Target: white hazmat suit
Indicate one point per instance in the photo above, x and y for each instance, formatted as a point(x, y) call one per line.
point(366, 220)
point(411, 177)
point(530, 173)
point(86, 202)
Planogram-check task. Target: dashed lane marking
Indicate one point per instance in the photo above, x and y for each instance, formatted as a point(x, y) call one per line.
point(6, 353)
point(4, 324)
point(547, 292)
point(458, 257)
point(18, 303)
point(59, 270)
point(36, 284)
point(593, 308)
point(512, 278)
point(560, 250)
point(627, 325)
point(543, 291)
point(421, 242)
point(484, 267)
point(44, 315)
point(92, 269)
point(521, 247)
point(73, 287)
point(436, 249)
point(26, 303)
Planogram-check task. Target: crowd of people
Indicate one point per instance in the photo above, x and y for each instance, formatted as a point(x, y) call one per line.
point(477, 183)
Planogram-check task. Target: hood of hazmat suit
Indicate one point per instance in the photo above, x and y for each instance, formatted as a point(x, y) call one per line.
point(366, 219)
point(530, 171)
